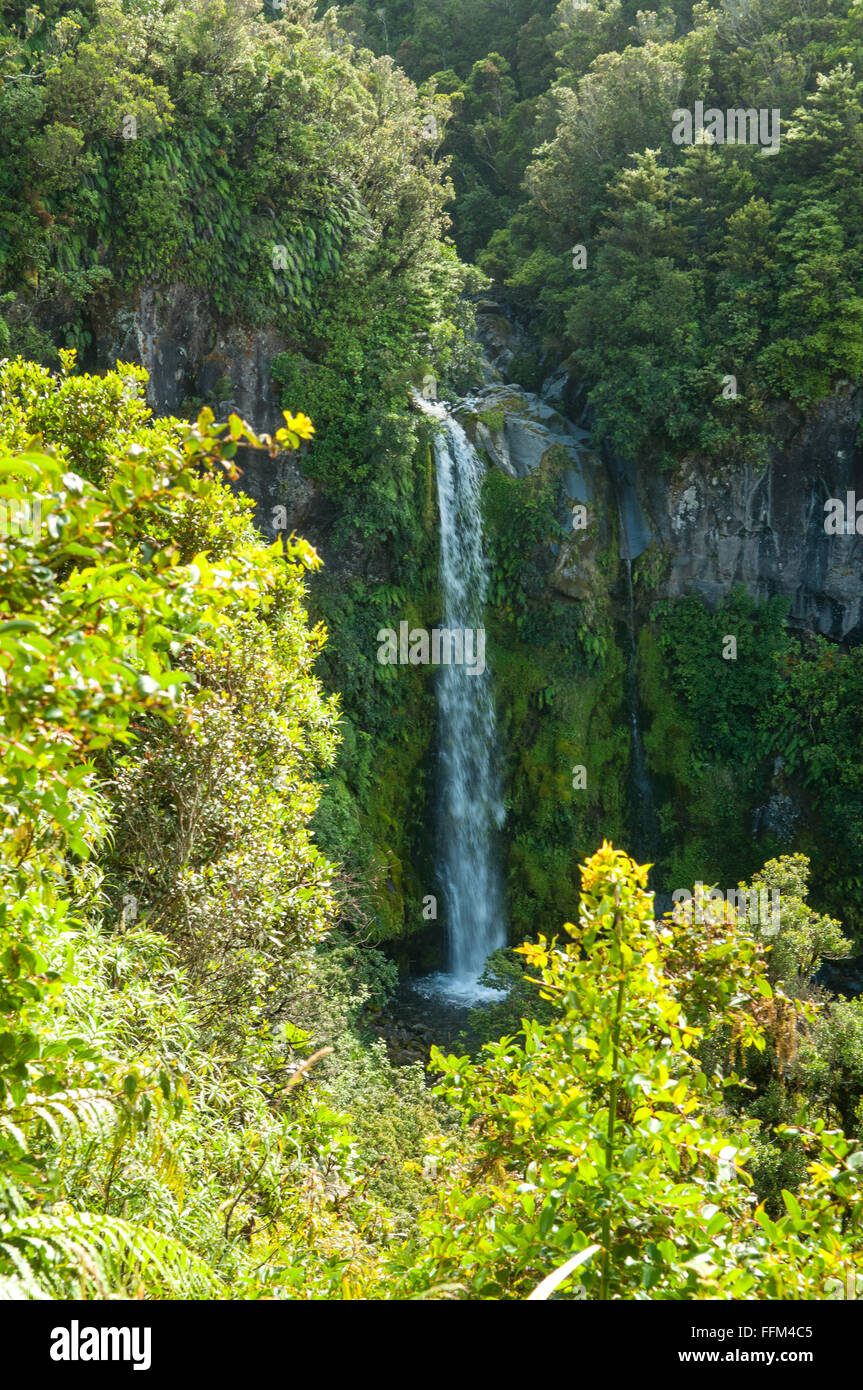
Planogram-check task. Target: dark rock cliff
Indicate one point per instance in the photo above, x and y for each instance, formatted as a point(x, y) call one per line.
point(193, 356)
point(717, 527)
point(765, 529)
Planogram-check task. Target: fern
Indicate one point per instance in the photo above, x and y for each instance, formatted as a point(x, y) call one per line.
point(46, 1253)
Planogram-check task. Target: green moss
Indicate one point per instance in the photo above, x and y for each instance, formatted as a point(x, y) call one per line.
point(558, 707)
point(429, 477)
point(395, 815)
point(650, 569)
point(670, 736)
point(703, 807)
point(374, 812)
point(492, 419)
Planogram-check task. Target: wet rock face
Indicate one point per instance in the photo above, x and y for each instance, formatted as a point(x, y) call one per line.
point(188, 353)
point(502, 339)
point(517, 428)
point(779, 817)
point(719, 527)
point(636, 532)
point(765, 529)
point(517, 431)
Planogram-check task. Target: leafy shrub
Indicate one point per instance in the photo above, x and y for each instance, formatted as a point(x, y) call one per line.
point(138, 1152)
point(599, 1133)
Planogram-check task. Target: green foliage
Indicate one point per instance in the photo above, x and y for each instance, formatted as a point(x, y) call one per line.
point(778, 1089)
point(783, 715)
point(725, 692)
point(174, 1071)
point(604, 1114)
point(830, 1062)
point(393, 1115)
point(557, 680)
point(286, 175)
point(373, 814)
point(701, 260)
point(521, 998)
point(519, 533)
point(491, 62)
point(151, 1139)
point(181, 1030)
point(805, 937)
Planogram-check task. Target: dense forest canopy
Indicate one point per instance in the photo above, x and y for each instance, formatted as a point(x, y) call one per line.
point(214, 800)
point(702, 260)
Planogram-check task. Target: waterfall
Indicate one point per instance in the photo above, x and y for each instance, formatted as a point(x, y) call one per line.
point(470, 808)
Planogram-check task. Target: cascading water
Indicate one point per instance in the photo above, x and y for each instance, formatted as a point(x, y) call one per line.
point(470, 804)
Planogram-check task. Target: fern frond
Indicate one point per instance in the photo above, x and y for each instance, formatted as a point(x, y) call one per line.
point(81, 1107)
point(102, 1255)
point(14, 1290)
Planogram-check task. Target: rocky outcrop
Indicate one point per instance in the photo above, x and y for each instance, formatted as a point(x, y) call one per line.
point(717, 527)
point(192, 356)
point(521, 433)
point(517, 429)
point(765, 529)
point(502, 339)
point(714, 527)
